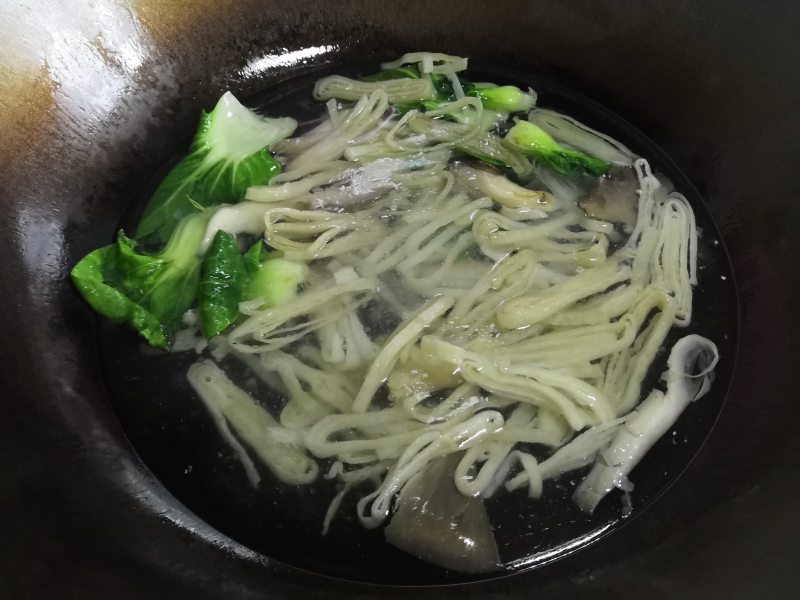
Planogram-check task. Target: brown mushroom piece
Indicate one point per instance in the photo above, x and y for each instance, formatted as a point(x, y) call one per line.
point(436, 523)
point(613, 197)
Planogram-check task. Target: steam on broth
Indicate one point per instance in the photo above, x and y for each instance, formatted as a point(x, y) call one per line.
point(456, 293)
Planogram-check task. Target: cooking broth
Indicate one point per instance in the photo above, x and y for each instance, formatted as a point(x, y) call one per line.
point(180, 443)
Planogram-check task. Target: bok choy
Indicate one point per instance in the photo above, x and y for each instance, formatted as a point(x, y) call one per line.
point(229, 153)
point(275, 280)
point(503, 98)
point(148, 292)
point(229, 277)
point(151, 291)
point(444, 85)
point(535, 141)
point(224, 277)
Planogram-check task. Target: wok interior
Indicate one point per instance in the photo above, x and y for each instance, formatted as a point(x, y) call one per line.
point(86, 125)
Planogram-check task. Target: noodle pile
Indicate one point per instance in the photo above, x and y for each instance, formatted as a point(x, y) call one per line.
point(453, 308)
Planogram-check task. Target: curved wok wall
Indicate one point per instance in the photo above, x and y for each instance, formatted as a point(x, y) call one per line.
point(95, 97)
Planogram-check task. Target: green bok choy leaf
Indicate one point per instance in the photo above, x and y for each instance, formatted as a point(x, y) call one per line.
point(229, 277)
point(229, 153)
point(535, 141)
point(148, 292)
point(222, 283)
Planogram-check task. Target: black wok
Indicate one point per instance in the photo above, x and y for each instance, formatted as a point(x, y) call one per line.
point(96, 97)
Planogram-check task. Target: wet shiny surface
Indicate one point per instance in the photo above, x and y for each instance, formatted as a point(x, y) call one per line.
point(83, 119)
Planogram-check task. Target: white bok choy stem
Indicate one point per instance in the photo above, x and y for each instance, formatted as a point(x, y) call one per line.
point(576, 134)
point(245, 217)
point(576, 454)
point(689, 374)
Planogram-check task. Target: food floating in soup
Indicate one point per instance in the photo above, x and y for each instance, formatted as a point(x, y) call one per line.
point(455, 292)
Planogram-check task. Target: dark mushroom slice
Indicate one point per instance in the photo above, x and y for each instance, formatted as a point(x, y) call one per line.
point(614, 197)
point(436, 523)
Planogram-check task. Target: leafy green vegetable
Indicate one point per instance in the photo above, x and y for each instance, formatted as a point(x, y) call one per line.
point(538, 143)
point(229, 153)
point(404, 72)
point(443, 87)
point(254, 256)
point(224, 276)
point(497, 101)
point(505, 98)
point(276, 281)
point(111, 302)
point(229, 277)
point(148, 292)
point(421, 105)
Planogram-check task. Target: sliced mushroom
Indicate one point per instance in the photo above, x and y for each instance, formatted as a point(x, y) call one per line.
point(436, 523)
point(614, 197)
